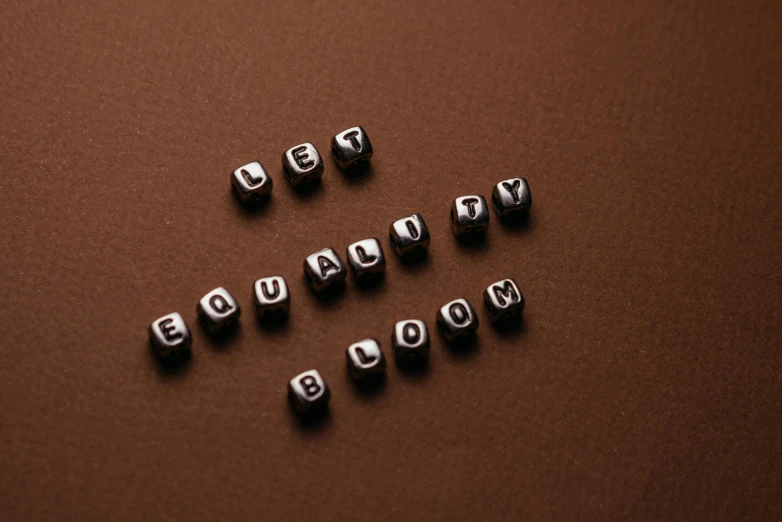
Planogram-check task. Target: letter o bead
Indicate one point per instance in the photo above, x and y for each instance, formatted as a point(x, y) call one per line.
point(218, 311)
point(251, 183)
point(511, 197)
point(308, 393)
point(457, 320)
point(504, 301)
point(469, 216)
point(271, 298)
point(409, 235)
point(302, 165)
point(351, 147)
point(410, 340)
point(324, 269)
point(170, 337)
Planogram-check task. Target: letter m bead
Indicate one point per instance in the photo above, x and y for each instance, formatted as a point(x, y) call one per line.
point(504, 301)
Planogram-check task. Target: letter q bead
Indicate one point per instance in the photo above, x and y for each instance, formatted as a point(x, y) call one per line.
point(170, 337)
point(218, 311)
point(308, 393)
point(251, 183)
point(302, 165)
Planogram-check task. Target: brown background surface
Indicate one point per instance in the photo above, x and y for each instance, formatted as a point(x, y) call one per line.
point(645, 383)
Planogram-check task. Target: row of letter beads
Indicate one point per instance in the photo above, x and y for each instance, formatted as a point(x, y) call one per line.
point(302, 165)
point(470, 214)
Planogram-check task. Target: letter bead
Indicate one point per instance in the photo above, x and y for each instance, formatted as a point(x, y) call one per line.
point(511, 196)
point(469, 215)
point(271, 298)
point(409, 235)
point(351, 147)
point(365, 358)
point(308, 393)
point(302, 164)
point(170, 337)
point(218, 311)
point(324, 269)
point(410, 340)
point(457, 320)
point(366, 259)
point(251, 183)
point(504, 301)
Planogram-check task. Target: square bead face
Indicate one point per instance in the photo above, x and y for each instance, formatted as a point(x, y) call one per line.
point(350, 147)
point(323, 269)
point(469, 215)
point(170, 336)
point(308, 393)
point(366, 258)
point(365, 358)
point(271, 297)
point(503, 301)
point(408, 235)
point(251, 183)
point(410, 339)
point(218, 311)
point(302, 164)
point(457, 319)
point(511, 196)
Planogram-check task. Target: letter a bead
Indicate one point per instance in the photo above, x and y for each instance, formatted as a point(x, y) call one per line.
point(324, 269)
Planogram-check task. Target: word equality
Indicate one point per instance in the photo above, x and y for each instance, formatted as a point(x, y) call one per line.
point(218, 311)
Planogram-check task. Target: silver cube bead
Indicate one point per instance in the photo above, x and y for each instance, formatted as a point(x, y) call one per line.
point(511, 196)
point(170, 337)
point(365, 358)
point(302, 164)
point(309, 393)
point(218, 311)
point(366, 259)
point(410, 340)
point(409, 235)
point(350, 147)
point(457, 319)
point(324, 269)
point(271, 298)
point(469, 215)
point(504, 301)
point(251, 183)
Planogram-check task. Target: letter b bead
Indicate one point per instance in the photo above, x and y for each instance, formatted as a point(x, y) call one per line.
point(469, 215)
point(302, 164)
point(218, 311)
point(170, 337)
point(308, 393)
point(351, 147)
point(457, 319)
point(504, 301)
